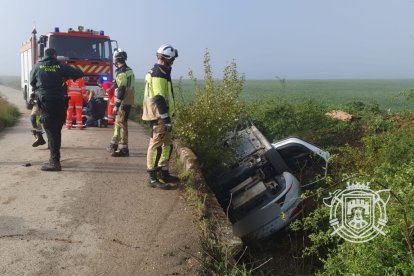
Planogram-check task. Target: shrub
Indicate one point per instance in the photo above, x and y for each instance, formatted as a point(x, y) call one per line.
point(386, 161)
point(8, 114)
point(203, 123)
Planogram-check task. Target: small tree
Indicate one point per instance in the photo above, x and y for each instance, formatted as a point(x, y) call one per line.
point(204, 123)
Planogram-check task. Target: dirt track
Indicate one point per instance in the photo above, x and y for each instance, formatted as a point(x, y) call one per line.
point(96, 217)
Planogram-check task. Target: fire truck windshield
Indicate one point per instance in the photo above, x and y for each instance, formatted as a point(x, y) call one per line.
point(74, 47)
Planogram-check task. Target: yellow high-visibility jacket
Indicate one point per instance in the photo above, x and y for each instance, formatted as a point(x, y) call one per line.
point(159, 95)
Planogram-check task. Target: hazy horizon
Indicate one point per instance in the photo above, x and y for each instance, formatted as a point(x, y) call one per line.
point(298, 39)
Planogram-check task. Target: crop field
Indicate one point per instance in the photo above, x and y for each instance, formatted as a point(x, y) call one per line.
point(385, 93)
point(335, 93)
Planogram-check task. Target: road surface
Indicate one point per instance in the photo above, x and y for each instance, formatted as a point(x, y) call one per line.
point(96, 217)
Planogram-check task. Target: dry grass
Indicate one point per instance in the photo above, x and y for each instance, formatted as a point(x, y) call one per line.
point(8, 114)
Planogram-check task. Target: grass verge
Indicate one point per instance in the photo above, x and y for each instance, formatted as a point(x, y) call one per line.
point(9, 114)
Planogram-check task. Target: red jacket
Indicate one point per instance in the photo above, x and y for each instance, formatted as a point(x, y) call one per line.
point(108, 88)
point(76, 87)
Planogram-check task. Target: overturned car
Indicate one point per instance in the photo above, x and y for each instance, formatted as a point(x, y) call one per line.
point(261, 192)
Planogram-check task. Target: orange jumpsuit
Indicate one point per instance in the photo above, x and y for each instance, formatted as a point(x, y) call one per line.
point(76, 91)
point(109, 88)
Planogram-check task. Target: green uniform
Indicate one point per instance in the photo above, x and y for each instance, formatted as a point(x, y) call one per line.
point(47, 78)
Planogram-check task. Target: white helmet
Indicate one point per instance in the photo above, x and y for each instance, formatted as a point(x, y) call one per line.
point(119, 55)
point(167, 51)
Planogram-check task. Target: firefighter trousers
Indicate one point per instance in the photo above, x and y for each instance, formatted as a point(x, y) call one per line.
point(75, 102)
point(121, 126)
point(160, 146)
point(35, 117)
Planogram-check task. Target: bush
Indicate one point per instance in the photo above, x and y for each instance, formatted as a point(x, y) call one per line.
point(8, 114)
point(387, 162)
point(203, 123)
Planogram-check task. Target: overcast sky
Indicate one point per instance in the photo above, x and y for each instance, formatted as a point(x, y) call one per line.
point(293, 39)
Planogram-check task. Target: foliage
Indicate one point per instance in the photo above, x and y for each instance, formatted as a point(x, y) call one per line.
point(386, 161)
point(8, 114)
point(203, 123)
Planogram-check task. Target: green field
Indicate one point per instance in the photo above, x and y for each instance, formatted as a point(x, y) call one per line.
point(385, 93)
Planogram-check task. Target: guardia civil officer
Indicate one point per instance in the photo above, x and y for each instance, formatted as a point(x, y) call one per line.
point(47, 79)
point(158, 109)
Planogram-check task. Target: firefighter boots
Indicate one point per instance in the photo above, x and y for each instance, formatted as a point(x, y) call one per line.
point(153, 182)
point(121, 153)
point(39, 139)
point(112, 147)
point(165, 177)
point(52, 167)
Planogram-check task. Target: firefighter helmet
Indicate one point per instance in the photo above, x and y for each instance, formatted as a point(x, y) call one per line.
point(167, 51)
point(120, 55)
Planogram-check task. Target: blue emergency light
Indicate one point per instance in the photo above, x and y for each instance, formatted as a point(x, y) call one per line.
point(101, 32)
point(56, 29)
point(105, 78)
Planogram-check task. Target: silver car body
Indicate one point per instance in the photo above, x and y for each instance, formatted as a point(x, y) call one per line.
point(262, 195)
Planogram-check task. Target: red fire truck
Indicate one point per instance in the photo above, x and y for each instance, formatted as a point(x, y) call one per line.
point(86, 49)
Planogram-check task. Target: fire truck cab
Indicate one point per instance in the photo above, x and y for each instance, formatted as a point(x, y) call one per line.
point(86, 49)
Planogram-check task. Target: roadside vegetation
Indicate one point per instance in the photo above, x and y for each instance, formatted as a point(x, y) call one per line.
point(376, 147)
point(8, 114)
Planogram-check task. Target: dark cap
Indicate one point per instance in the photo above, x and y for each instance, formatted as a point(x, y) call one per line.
point(50, 52)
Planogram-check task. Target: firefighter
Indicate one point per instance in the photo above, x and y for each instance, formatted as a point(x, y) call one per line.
point(47, 79)
point(108, 89)
point(124, 98)
point(158, 108)
point(36, 124)
point(76, 91)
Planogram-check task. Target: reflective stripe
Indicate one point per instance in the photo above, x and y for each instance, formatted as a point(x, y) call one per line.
point(166, 154)
point(74, 93)
point(163, 116)
point(148, 99)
